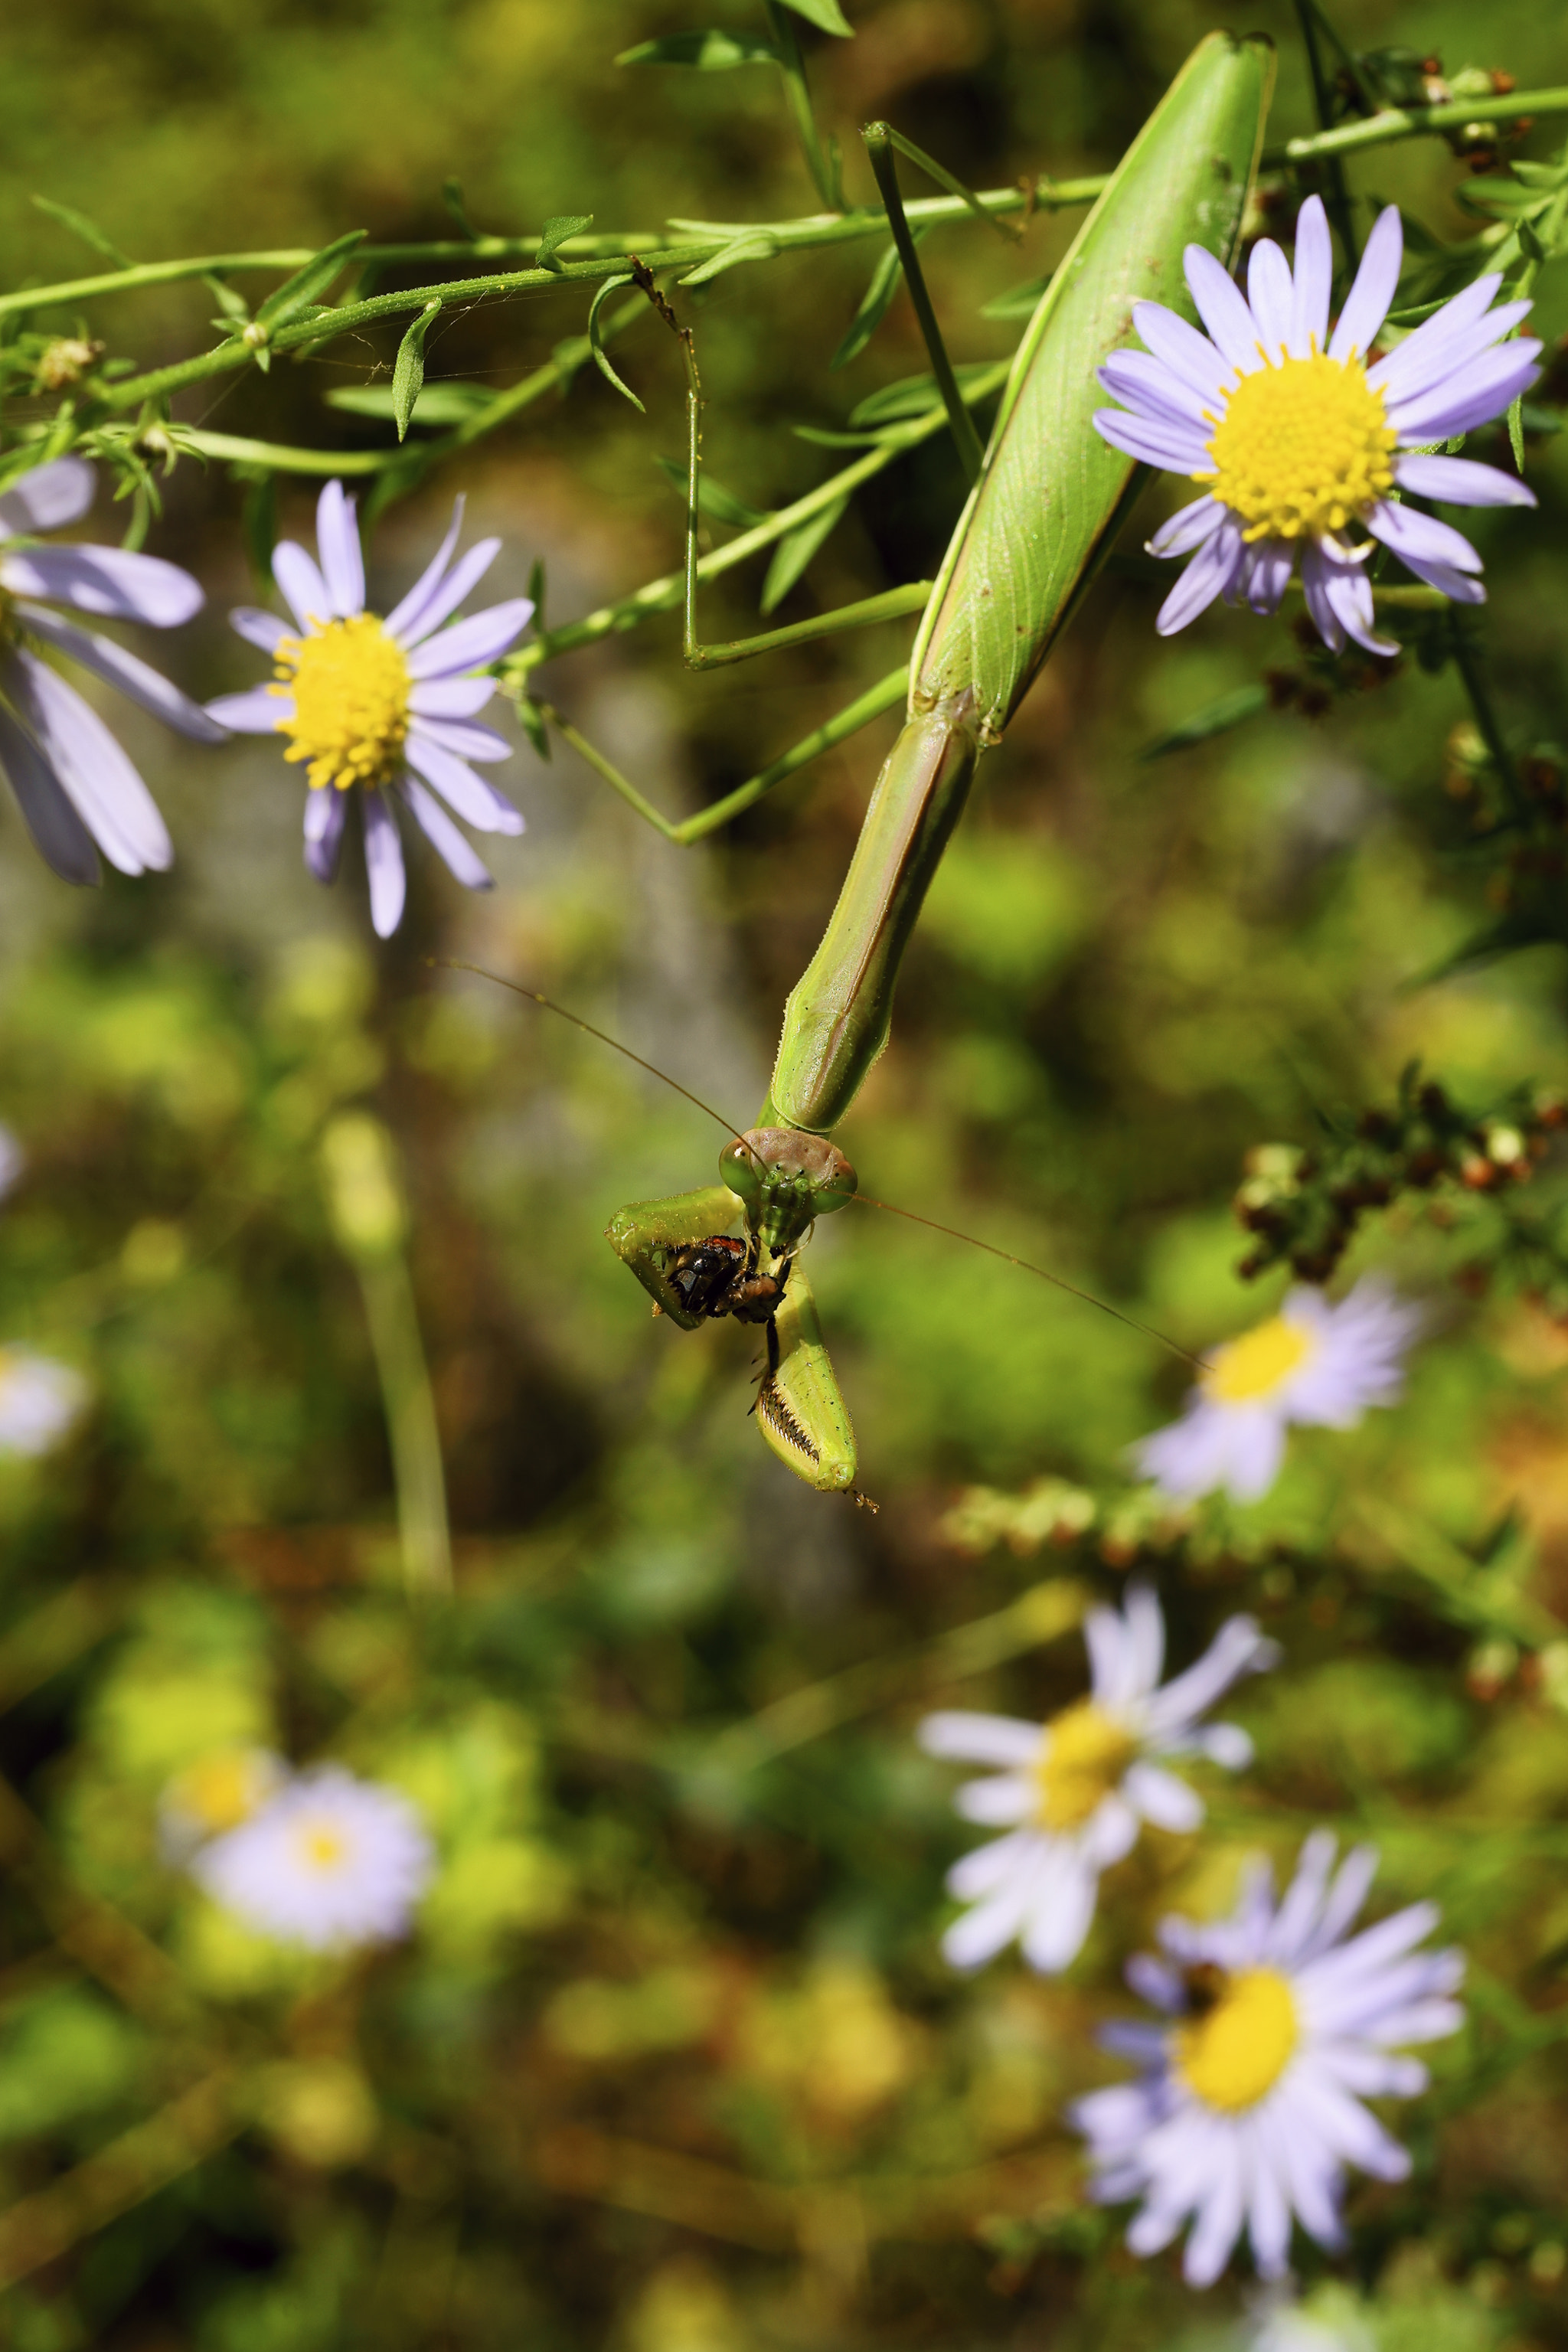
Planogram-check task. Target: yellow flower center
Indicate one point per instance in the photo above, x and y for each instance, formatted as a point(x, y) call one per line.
point(1234, 2051)
point(350, 687)
point(1082, 1758)
point(1246, 1371)
point(220, 1791)
point(1300, 447)
point(321, 1846)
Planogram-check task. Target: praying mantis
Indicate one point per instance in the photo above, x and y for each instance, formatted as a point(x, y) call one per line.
point(1046, 503)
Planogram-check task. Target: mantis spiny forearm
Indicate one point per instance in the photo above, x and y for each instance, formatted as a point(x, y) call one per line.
point(1049, 499)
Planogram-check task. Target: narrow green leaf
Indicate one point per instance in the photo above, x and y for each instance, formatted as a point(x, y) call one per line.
point(755, 245)
point(1019, 302)
point(1214, 719)
point(1537, 419)
point(794, 551)
point(709, 52)
point(822, 437)
point(606, 287)
point(875, 304)
point(235, 310)
point(439, 403)
point(1516, 431)
point(1542, 175)
point(89, 231)
point(534, 591)
point(713, 499)
point(533, 726)
point(308, 284)
point(555, 232)
point(912, 395)
point(826, 14)
point(408, 374)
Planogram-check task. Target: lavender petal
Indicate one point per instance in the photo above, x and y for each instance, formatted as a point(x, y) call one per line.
point(1182, 349)
point(304, 590)
point(1146, 385)
point(136, 679)
point(405, 616)
point(448, 594)
point(1268, 574)
point(384, 865)
point(326, 812)
point(456, 852)
point(1188, 527)
point(1472, 395)
point(107, 580)
point(1460, 587)
point(476, 803)
point(1415, 368)
point(1223, 309)
point(61, 839)
point(336, 543)
point(49, 497)
point(1461, 482)
point(482, 637)
point(108, 795)
point(1421, 537)
point(1271, 295)
point(1349, 595)
point(1313, 280)
point(258, 711)
point(461, 736)
point(450, 698)
point(1179, 451)
point(1210, 571)
point(1367, 304)
point(264, 630)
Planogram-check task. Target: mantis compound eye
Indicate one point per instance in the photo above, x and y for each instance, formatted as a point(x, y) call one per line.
point(785, 1178)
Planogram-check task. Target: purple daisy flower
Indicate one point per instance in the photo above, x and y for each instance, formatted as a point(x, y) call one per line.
point(1298, 439)
point(73, 783)
point(387, 705)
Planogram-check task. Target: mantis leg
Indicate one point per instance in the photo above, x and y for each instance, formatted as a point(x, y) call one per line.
point(648, 1235)
point(801, 1409)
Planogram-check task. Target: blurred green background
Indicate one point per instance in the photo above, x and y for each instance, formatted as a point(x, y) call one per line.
point(672, 2063)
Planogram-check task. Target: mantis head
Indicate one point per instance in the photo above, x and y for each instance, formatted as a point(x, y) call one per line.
point(785, 1180)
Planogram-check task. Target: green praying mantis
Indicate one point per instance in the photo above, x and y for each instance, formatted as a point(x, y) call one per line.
point(1047, 501)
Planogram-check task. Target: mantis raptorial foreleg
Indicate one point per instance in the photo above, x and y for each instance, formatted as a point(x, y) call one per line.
point(1049, 499)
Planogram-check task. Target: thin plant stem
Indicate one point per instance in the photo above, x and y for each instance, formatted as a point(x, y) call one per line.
point(880, 148)
point(887, 692)
point(410, 1405)
point(1333, 169)
point(792, 66)
point(892, 605)
point(1412, 122)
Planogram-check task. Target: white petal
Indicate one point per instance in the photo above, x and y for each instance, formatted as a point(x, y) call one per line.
point(1163, 1800)
point(997, 1803)
point(1060, 1914)
point(981, 1738)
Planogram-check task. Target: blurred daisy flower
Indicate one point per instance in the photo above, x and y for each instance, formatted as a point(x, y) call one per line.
point(330, 1861)
point(1250, 2105)
point(1073, 1794)
point(73, 783)
point(1298, 440)
point(387, 705)
point(214, 1795)
point(1313, 1362)
point(39, 1399)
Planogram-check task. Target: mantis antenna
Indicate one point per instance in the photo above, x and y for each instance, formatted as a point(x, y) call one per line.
point(912, 1216)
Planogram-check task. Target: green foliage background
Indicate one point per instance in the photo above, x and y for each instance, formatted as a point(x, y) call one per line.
point(672, 2063)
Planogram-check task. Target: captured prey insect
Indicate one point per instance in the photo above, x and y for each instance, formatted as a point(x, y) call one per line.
point(1049, 498)
point(779, 1181)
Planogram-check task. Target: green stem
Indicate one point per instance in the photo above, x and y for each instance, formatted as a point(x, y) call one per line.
point(1334, 170)
point(1413, 121)
point(849, 721)
point(664, 595)
point(890, 605)
point(878, 141)
point(792, 65)
point(416, 1442)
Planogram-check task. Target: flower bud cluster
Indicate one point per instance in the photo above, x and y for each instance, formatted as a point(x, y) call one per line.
point(1304, 1205)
